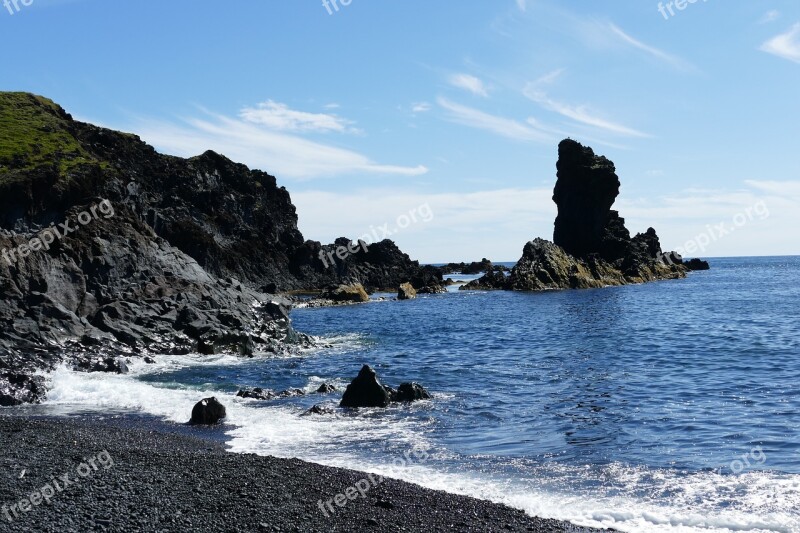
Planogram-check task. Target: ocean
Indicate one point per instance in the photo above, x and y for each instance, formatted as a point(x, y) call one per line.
point(666, 407)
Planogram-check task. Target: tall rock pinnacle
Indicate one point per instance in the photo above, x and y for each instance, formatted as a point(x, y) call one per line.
point(586, 189)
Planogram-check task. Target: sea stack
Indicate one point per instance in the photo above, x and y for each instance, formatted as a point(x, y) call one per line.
point(592, 248)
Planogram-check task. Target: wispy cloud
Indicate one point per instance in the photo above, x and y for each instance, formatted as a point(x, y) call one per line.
point(262, 145)
point(280, 117)
point(770, 16)
point(785, 45)
point(505, 127)
point(420, 107)
point(675, 61)
point(522, 5)
point(469, 83)
point(582, 114)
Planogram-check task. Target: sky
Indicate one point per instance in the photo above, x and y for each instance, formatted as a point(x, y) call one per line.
point(437, 123)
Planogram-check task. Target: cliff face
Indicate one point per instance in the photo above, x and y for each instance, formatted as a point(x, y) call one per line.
point(175, 255)
point(592, 247)
point(232, 220)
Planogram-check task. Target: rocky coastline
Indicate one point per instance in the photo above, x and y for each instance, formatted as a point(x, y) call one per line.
point(110, 249)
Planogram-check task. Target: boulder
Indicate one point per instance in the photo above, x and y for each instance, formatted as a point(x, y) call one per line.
point(291, 393)
point(406, 292)
point(411, 392)
point(208, 412)
point(365, 391)
point(353, 292)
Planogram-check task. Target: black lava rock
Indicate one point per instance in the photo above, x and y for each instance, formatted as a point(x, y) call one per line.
point(365, 391)
point(208, 412)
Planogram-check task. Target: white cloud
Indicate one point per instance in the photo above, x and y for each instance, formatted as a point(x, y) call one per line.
point(580, 114)
point(280, 117)
point(283, 154)
point(754, 219)
point(650, 50)
point(464, 226)
point(496, 223)
point(502, 126)
point(770, 16)
point(785, 45)
point(469, 83)
point(421, 107)
point(522, 5)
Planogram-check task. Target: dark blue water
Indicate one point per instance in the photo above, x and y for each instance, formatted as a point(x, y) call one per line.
point(670, 406)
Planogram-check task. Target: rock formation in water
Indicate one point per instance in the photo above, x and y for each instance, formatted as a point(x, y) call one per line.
point(592, 247)
point(109, 248)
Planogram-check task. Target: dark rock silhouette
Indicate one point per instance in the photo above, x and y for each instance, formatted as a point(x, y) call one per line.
point(697, 264)
point(208, 412)
point(586, 188)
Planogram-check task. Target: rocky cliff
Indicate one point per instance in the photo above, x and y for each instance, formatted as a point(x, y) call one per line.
point(109, 247)
point(592, 247)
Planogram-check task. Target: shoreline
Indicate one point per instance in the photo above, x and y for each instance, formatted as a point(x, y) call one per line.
point(173, 477)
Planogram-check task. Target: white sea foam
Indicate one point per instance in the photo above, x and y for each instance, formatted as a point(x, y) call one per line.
point(642, 500)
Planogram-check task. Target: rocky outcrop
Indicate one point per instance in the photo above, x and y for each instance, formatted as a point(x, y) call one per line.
point(406, 292)
point(365, 391)
point(592, 247)
point(697, 264)
point(208, 412)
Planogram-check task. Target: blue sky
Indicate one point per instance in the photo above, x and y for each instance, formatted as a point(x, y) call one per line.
point(370, 113)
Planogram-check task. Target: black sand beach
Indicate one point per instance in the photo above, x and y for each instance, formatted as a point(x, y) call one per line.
point(122, 478)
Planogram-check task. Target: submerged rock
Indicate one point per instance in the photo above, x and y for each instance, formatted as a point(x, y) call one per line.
point(365, 391)
point(320, 410)
point(411, 392)
point(326, 388)
point(257, 394)
point(208, 412)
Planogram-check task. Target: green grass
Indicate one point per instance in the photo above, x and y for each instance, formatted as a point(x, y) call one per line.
point(33, 133)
